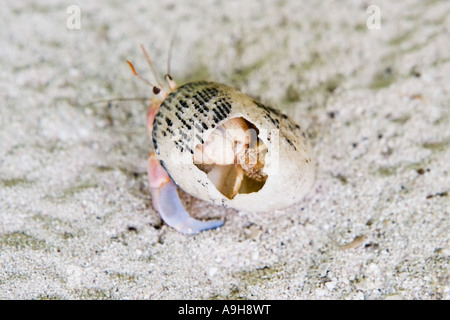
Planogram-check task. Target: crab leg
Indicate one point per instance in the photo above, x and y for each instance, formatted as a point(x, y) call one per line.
point(151, 113)
point(166, 201)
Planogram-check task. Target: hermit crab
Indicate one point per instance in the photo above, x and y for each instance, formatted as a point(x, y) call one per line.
point(222, 146)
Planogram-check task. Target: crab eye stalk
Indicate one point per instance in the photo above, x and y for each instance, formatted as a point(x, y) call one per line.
point(156, 90)
point(172, 85)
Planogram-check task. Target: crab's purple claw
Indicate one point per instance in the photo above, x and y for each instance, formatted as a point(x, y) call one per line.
point(166, 201)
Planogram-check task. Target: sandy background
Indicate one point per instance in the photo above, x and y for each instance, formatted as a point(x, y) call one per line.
point(76, 220)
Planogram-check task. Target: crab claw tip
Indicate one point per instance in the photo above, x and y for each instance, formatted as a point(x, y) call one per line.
point(193, 226)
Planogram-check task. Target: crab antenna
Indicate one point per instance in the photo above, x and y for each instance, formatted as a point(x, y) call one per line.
point(147, 57)
point(172, 41)
point(156, 90)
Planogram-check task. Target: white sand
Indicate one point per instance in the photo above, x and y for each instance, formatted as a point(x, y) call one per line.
point(76, 221)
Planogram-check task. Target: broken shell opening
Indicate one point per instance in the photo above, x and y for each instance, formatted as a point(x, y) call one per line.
point(233, 157)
